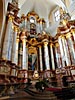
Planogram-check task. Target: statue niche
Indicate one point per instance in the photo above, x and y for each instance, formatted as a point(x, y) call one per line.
point(32, 29)
point(32, 58)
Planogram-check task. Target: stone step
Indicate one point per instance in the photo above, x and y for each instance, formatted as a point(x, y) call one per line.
point(40, 92)
point(34, 98)
point(4, 98)
point(20, 97)
point(31, 95)
point(45, 95)
point(45, 98)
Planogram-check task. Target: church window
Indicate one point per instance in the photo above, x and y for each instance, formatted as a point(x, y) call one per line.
point(57, 15)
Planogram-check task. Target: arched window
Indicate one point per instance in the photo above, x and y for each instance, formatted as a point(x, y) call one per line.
point(57, 15)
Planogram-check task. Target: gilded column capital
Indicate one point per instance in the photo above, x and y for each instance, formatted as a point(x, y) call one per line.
point(23, 36)
point(68, 35)
point(56, 44)
point(24, 41)
point(51, 44)
point(16, 29)
point(63, 37)
point(45, 43)
point(17, 38)
point(73, 31)
point(11, 17)
point(39, 46)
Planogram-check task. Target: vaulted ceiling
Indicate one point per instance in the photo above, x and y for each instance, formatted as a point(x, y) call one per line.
point(43, 8)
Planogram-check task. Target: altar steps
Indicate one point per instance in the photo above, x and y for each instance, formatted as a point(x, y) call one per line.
point(31, 95)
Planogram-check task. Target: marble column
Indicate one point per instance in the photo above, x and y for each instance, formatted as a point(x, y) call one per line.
point(66, 52)
point(24, 60)
point(38, 28)
point(26, 56)
point(16, 52)
point(41, 26)
point(25, 22)
point(40, 57)
point(1, 34)
point(73, 32)
point(57, 55)
point(15, 45)
point(52, 57)
point(61, 50)
point(7, 45)
point(71, 47)
point(46, 55)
